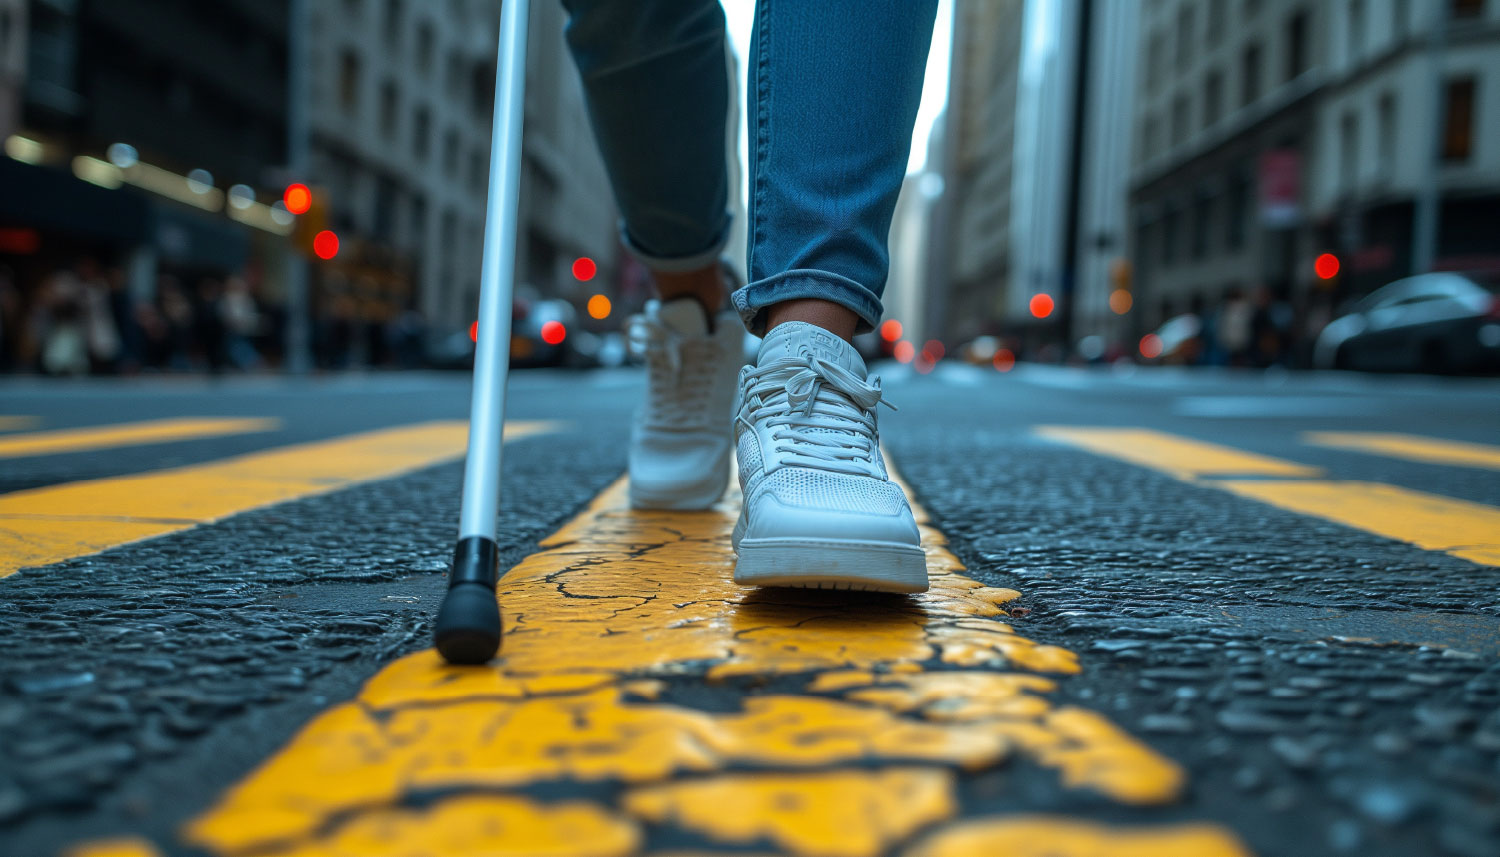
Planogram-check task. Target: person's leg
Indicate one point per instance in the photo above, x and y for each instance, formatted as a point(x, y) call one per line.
point(836, 84)
point(656, 83)
point(833, 97)
point(655, 74)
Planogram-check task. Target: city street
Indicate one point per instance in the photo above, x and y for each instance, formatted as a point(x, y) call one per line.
point(1174, 612)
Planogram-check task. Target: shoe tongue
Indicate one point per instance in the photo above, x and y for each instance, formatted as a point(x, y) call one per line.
point(684, 315)
point(799, 339)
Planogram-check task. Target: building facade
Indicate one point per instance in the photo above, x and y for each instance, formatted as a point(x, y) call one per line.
point(1268, 132)
point(401, 97)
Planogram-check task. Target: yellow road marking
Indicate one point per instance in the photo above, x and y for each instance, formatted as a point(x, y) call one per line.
point(1041, 836)
point(1428, 450)
point(47, 525)
point(877, 704)
point(127, 434)
point(13, 423)
point(1182, 457)
point(1470, 531)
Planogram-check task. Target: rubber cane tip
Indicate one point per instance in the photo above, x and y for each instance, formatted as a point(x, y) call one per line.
point(468, 625)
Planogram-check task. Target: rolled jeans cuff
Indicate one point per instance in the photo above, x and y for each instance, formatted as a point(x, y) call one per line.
point(752, 300)
point(676, 264)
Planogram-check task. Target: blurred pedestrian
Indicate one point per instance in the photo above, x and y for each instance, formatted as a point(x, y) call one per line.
point(833, 97)
point(1233, 327)
point(241, 320)
point(59, 325)
point(177, 311)
point(208, 325)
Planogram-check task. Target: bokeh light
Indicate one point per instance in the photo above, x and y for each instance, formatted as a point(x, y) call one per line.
point(1041, 305)
point(1120, 301)
point(326, 244)
point(298, 198)
point(599, 306)
point(584, 268)
point(1150, 346)
point(1326, 266)
point(1004, 360)
point(553, 333)
point(904, 351)
point(474, 331)
point(890, 330)
point(933, 350)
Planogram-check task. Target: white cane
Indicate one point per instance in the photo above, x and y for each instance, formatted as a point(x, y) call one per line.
point(468, 623)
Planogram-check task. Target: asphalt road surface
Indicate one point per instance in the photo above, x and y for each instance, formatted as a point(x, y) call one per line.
point(1173, 613)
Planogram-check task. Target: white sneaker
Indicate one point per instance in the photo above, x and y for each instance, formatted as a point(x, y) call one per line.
point(820, 510)
point(679, 445)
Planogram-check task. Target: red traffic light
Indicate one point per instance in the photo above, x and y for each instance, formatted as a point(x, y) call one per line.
point(1041, 305)
point(1326, 266)
point(298, 198)
point(553, 333)
point(584, 269)
point(326, 244)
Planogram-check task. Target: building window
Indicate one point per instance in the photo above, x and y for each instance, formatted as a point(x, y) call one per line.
point(394, 12)
point(1215, 24)
point(1250, 75)
point(1171, 226)
point(425, 40)
point(1237, 204)
point(1213, 97)
point(1150, 137)
point(1296, 45)
point(1356, 28)
point(388, 108)
point(1154, 58)
point(1386, 117)
point(1179, 118)
point(1348, 151)
point(450, 153)
point(1466, 8)
point(1203, 214)
point(421, 131)
point(349, 81)
point(1458, 120)
point(1185, 37)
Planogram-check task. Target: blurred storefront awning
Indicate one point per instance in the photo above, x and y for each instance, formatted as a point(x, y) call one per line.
point(51, 199)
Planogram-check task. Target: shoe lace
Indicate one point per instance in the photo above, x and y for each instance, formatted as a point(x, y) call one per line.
point(820, 414)
point(681, 373)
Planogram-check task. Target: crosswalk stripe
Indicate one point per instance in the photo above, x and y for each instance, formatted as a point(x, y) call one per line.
point(858, 715)
point(1180, 456)
point(1428, 450)
point(47, 525)
point(16, 422)
point(128, 434)
point(1466, 530)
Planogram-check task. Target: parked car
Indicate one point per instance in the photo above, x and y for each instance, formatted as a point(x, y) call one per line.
point(528, 345)
point(1177, 342)
point(1442, 323)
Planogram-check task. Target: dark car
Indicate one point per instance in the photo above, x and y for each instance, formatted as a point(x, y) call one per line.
point(1442, 323)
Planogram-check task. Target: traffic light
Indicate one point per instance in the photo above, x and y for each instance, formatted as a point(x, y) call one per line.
point(1326, 266)
point(312, 221)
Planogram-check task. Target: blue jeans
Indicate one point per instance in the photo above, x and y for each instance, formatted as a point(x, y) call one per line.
point(833, 94)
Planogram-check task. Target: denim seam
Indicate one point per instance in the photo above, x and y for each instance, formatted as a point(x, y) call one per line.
point(762, 131)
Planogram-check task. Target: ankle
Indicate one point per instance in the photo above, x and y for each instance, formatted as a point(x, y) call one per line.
point(706, 285)
point(834, 318)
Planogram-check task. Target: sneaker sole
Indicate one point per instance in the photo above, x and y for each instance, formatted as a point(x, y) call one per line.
point(831, 564)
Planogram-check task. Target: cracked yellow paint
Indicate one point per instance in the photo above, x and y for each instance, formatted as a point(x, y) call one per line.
point(1041, 836)
point(129, 434)
point(842, 813)
point(59, 522)
point(600, 626)
point(1412, 447)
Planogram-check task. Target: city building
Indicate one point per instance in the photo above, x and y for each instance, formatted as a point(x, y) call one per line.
point(141, 137)
point(1031, 232)
point(1269, 132)
point(401, 97)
